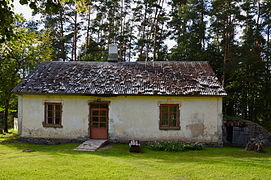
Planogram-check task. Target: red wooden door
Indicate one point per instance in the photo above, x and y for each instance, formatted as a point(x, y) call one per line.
point(99, 123)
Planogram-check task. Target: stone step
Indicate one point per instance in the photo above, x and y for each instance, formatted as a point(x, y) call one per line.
point(91, 145)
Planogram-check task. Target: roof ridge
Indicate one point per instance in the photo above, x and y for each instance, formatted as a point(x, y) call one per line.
point(125, 62)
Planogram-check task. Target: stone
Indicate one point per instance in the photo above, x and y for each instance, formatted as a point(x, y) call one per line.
point(91, 145)
point(255, 146)
point(28, 150)
point(48, 141)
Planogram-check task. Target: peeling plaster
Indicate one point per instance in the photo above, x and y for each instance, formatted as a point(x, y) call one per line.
point(196, 129)
point(130, 117)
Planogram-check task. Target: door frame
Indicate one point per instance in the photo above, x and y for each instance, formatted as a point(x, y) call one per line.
point(107, 121)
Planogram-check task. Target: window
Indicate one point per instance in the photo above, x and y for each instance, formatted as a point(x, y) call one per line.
point(169, 116)
point(53, 114)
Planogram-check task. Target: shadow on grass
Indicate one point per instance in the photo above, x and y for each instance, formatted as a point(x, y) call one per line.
point(122, 150)
point(230, 156)
point(118, 150)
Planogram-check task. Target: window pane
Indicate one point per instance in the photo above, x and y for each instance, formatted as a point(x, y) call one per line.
point(50, 114)
point(173, 123)
point(102, 125)
point(50, 107)
point(50, 120)
point(103, 105)
point(164, 123)
point(102, 113)
point(102, 119)
point(173, 116)
point(94, 106)
point(173, 109)
point(57, 114)
point(164, 116)
point(95, 119)
point(95, 125)
point(58, 107)
point(95, 113)
point(164, 108)
point(57, 120)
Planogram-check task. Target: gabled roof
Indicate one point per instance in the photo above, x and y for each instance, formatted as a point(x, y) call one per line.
point(137, 78)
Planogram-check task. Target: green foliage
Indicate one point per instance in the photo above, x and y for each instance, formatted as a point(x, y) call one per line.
point(54, 27)
point(6, 19)
point(93, 52)
point(189, 28)
point(174, 146)
point(18, 57)
point(8, 16)
point(227, 117)
point(237, 45)
point(9, 136)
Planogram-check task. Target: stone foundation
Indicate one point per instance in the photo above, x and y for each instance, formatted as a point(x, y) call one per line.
point(48, 141)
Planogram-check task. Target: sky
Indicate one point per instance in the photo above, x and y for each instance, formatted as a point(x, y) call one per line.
point(23, 9)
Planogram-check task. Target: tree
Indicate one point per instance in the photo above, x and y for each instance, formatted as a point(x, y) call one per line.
point(54, 24)
point(18, 56)
point(8, 16)
point(6, 19)
point(249, 80)
point(189, 29)
point(110, 24)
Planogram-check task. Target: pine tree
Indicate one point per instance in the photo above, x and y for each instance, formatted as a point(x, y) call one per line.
point(189, 29)
point(54, 23)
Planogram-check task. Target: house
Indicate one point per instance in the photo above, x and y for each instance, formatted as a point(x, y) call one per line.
point(119, 101)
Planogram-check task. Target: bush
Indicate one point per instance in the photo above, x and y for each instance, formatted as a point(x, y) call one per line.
point(174, 146)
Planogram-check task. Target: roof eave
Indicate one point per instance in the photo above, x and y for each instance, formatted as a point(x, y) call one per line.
point(113, 95)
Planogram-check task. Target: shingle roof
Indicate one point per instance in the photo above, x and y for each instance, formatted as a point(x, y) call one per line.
point(122, 78)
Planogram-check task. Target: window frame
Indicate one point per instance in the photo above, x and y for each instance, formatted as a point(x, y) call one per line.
point(169, 127)
point(45, 122)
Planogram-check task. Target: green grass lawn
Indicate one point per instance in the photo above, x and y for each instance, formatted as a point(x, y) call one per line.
point(61, 162)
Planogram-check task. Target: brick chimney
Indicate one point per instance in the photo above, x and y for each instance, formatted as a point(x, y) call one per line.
point(113, 53)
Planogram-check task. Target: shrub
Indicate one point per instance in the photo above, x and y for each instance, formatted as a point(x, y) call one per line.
point(174, 146)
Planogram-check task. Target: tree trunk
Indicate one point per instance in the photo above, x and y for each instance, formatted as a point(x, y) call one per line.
point(228, 38)
point(130, 43)
point(75, 36)
point(257, 41)
point(143, 32)
point(122, 26)
point(63, 53)
point(88, 28)
point(6, 116)
point(202, 44)
point(160, 40)
point(155, 23)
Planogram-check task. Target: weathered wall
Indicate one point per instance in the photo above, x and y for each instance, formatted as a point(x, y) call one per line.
point(130, 117)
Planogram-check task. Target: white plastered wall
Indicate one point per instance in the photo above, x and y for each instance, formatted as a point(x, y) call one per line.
point(130, 117)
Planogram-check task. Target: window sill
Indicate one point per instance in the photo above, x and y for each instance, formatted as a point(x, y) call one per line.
point(169, 128)
point(51, 125)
